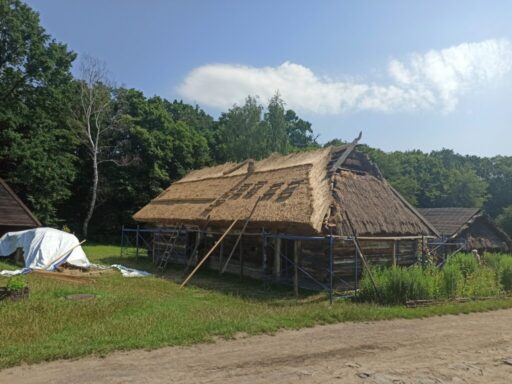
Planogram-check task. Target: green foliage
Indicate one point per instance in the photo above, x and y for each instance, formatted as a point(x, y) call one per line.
point(502, 265)
point(452, 281)
point(36, 146)
point(482, 283)
point(439, 179)
point(504, 220)
point(464, 262)
point(396, 285)
point(16, 283)
point(461, 276)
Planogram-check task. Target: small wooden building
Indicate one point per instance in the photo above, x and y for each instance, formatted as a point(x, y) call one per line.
point(307, 213)
point(467, 229)
point(14, 215)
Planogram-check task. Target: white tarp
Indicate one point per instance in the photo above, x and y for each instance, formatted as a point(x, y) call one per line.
point(43, 246)
point(48, 248)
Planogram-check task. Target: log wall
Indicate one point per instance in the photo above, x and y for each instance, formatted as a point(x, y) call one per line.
point(249, 258)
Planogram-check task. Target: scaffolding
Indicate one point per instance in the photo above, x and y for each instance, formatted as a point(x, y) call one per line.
point(280, 258)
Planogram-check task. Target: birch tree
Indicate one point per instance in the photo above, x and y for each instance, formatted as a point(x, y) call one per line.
point(97, 120)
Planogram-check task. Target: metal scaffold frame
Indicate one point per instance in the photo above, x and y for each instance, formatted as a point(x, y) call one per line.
point(137, 239)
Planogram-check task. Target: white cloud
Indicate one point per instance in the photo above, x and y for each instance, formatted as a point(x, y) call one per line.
point(436, 79)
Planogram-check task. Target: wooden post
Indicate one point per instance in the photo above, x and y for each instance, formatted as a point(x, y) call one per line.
point(296, 258)
point(221, 256)
point(264, 255)
point(397, 252)
point(122, 240)
point(394, 253)
point(241, 258)
point(153, 250)
point(277, 258)
point(137, 242)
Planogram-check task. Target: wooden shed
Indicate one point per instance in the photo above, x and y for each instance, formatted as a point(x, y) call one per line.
point(467, 228)
point(306, 213)
point(14, 215)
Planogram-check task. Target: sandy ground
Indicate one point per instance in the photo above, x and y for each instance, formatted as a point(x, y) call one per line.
point(449, 349)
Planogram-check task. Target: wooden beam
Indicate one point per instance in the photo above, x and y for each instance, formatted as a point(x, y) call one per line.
point(296, 258)
point(208, 254)
point(346, 153)
point(394, 253)
point(277, 258)
point(240, 236)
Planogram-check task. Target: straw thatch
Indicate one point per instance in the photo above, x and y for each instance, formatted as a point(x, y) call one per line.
point(294, 193)
point(471, 225)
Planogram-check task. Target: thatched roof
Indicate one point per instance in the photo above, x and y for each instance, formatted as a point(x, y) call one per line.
point(296, 193)
point(448, 221)
point(471, 224)
point(13, 213)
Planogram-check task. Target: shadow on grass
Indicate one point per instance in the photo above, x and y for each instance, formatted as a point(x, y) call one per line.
point(228, 284)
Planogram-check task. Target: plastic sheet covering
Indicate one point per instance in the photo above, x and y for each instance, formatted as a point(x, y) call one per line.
point(47, 248)
point(44, 248)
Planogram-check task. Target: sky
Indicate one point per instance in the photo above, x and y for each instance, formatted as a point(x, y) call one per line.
point(408, 74)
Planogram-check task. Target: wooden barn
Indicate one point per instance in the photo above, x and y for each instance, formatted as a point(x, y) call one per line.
point(467, 229)
point(14, 215)
point(309, 218)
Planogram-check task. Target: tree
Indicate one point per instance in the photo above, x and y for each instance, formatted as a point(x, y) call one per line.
point(96, 121)
point(504, 220)
point(276, 128)
point(37, 146)
point(463, 188)
point(244, 135)
point(300, 133)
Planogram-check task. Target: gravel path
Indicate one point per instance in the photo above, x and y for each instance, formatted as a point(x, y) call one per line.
point(449, 349)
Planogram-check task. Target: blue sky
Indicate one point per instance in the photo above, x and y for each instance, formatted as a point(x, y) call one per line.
point(409, 74)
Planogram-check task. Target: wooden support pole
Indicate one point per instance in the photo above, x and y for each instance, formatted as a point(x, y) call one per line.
point(208, 254)
point(221, 256)
point(296, 258)
point(394, 253)
point(240, 237)
point(365, 264)
point(122, 240)
point(277, 258)
point(263, 255)
point(137, 242)
point(241, 258)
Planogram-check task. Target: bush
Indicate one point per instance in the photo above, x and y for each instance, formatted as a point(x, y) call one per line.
point(396, 285)
point(16, 283)
point(482, 283)
point(452, 280)
point(466, 263)
point(460, 276)
point(502, 265)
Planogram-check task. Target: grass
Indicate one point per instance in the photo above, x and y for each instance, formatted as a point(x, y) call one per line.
point(461, 276)
point(153, 312)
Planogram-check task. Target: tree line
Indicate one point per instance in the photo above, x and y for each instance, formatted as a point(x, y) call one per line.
point(86, 153)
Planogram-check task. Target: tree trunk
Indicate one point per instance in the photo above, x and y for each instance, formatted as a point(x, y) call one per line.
point(92, 203)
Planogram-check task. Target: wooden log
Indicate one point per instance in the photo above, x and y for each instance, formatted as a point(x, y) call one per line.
point(277, 258)
point(296, 258)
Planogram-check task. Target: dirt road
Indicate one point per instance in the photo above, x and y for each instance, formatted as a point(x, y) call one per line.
point(450, 349)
